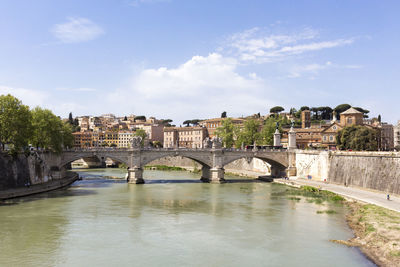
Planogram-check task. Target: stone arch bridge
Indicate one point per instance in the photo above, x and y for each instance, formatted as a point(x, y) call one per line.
point(213, 160)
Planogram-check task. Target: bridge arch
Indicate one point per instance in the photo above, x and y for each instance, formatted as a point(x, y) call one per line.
point(150, 158)
point(278, 168)
point(70, 158)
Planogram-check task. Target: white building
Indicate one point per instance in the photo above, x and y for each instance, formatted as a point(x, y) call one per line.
point(125, 139)
point(396, 131)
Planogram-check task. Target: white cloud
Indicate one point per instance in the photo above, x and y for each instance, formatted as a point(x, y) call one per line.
point(77, 30)
point(201, 87)
point(315, 68)
point(255, 46)
point(29, 97)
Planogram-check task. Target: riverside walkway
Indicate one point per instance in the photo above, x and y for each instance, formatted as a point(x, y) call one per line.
point(364, 195)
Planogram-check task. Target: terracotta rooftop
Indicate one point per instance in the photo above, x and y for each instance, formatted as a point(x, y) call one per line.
point(351, 111)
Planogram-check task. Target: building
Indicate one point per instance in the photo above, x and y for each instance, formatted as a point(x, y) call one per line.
point(189, 137)
point(110, 138)
point(386, 134)
point(154, 132)
point(125, 139)
point(328, 135)
point(305, 119)
point(77, 139)
point(396, 137)
point(351, 117)
point(213, 124)
point(82, 139)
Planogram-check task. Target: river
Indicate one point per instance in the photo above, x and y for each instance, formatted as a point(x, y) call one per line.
point(172, 220)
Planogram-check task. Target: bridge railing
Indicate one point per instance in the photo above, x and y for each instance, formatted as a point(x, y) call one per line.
point(120, 149)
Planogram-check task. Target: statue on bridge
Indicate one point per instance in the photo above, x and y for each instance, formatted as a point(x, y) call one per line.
point(207, 143)
point(216, 142)
point(136, 142)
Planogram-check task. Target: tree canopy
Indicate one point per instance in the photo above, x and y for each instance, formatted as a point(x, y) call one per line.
point(223, 114)
point(140, 118)
point(357, 138)
point(249, 134)
point(15, 123)
point(20, 126)
point(193, 122)
point(227, 131)
point(48, 131)
point(276, 109)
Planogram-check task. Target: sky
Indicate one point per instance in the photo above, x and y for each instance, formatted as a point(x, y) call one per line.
point(187, 59)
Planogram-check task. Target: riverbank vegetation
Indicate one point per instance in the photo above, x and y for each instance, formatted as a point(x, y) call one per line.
point(311, 194)
point(21, 126)
point(163, 168)
point(377, 232)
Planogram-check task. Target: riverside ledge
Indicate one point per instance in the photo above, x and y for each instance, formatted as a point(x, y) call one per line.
point(39, 188)
point(364, 195)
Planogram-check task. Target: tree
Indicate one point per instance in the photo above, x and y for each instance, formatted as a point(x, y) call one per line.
point(125, 118)
point(304, 108)
point(379, 118)
point(357, 138)
point(68, 138)
point(227, 132)
point(166, 122)
point(340, 108)
point(49, 131)
point(140, 118)
point(104, 144)
point(364, 111)
point(157, 144)
point(70, 119)
point(276, 109)
point(249, 134)
point(187, 122)
point(223, 114)
point(15, 123)
point(268, 130)
point(195, 122)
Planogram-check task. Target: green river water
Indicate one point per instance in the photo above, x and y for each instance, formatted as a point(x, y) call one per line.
point(172, 220)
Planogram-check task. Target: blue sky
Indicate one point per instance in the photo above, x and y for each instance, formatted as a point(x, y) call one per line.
point(186, 59)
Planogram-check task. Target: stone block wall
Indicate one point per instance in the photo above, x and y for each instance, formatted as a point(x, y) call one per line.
point(374, 170)
point(16, 172)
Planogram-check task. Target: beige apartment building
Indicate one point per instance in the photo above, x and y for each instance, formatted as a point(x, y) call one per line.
point(189, 137)
point(125, 139)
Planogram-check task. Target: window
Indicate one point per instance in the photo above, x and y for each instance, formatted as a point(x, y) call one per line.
point(334, 127)
point(331, 138)
point(325, 138)
point(349, 120)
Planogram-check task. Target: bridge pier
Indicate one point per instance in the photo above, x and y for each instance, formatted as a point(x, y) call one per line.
point(135, 175)
point(205, 174)
point(217, 175)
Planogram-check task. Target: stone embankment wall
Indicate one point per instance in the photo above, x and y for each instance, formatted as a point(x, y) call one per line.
point(252, 168)
point(374, 170)
point(18, 171)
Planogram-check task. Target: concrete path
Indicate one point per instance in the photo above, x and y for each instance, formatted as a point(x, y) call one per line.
point(364, 195)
